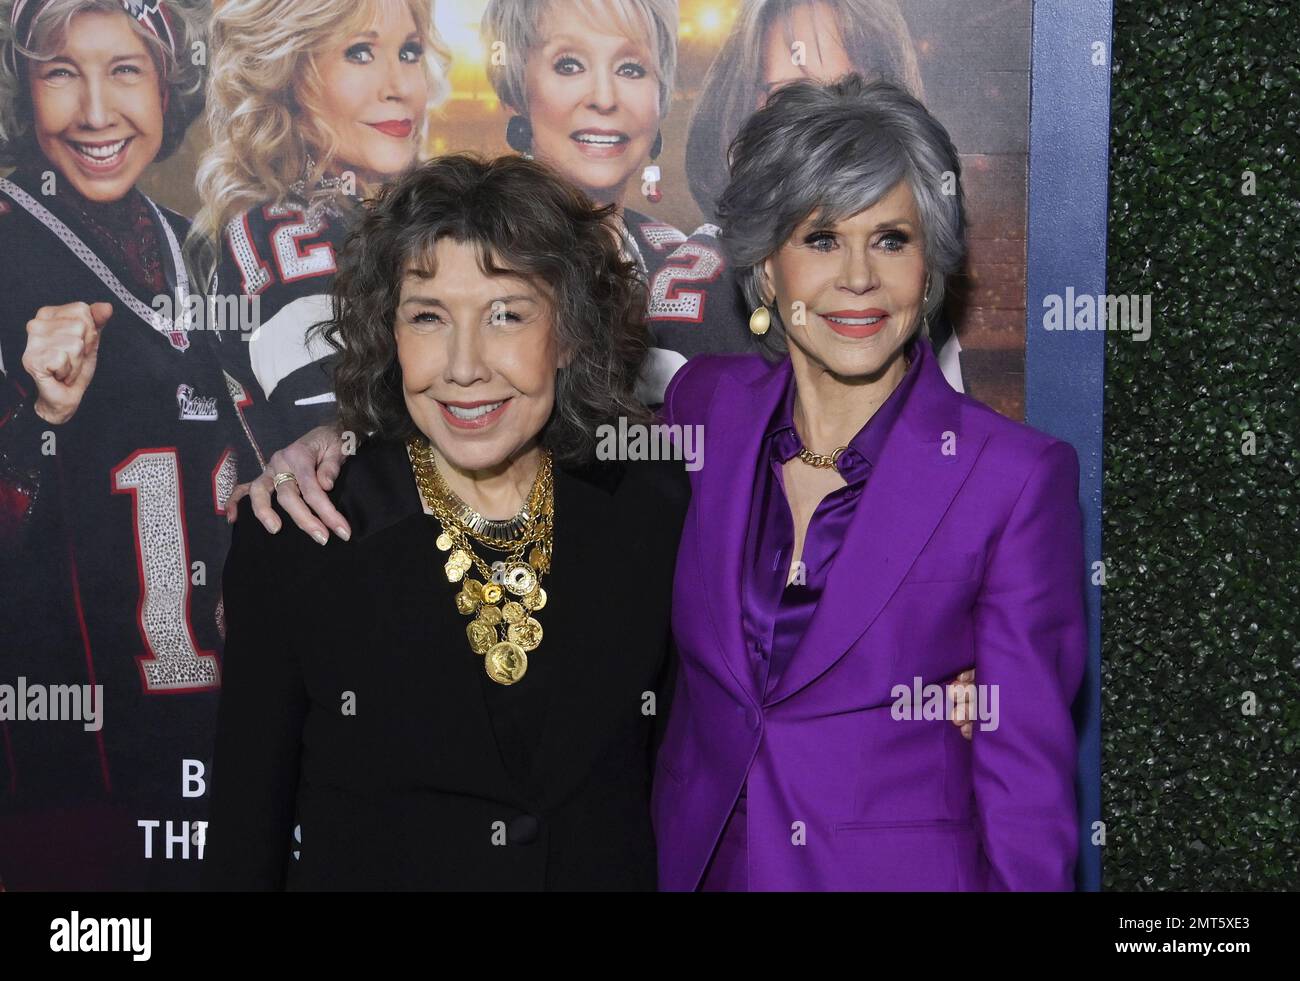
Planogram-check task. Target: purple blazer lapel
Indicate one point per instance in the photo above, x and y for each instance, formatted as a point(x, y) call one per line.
point(906, 495)
point(733, 434)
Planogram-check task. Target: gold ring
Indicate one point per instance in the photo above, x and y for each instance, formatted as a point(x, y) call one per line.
point(283, 478)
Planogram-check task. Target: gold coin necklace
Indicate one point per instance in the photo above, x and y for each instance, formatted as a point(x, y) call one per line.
point(503, 629)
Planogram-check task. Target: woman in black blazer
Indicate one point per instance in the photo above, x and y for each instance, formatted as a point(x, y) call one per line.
point(353, 705)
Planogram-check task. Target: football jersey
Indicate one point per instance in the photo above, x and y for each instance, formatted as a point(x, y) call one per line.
point(280, 260)
point(695, 306)
point(111, 562)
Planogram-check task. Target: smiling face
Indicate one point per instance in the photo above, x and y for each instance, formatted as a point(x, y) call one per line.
point(98, 106)
point(861, 282)
point(825, 59)
point(479, 356)
point(374, 93)
point(593, 101)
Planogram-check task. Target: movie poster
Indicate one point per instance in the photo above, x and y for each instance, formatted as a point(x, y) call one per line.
point(179, 177)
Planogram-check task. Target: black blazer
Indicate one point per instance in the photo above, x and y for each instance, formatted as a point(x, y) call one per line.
point(423, 786)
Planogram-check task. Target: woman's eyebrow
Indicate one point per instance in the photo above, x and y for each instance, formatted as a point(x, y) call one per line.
point(374, 36)
point(893, 223)
point(116, 59)
point(830, 226)
point(434, 301)
point(564, 41)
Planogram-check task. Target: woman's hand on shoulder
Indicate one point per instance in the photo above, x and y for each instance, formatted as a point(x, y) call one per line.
point(961, 695)
point(315, 461)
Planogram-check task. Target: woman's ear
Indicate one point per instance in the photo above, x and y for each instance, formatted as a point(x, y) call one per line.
point(765, 291)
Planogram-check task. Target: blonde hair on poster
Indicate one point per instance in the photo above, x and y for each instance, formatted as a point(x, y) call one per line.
point(260, 110)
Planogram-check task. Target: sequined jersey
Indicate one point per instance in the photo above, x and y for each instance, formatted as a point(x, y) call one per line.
point(694, 305)
point(112, 541)
point(283, 258)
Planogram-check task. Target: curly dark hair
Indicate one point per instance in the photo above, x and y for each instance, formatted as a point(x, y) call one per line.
point(525, 220)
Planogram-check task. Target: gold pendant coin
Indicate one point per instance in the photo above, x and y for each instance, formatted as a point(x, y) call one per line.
point(444, 542)
point(526, 633)
point(535, 600)
point(513, 612)
point(491, 593)
point(458, 563)
point(505, 663)
point(491, 615)
point(481, 636)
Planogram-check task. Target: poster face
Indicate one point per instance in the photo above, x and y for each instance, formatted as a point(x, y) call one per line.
point(121, 192)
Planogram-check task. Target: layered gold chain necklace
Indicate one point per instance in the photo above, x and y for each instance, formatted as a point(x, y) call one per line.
point(504, 629)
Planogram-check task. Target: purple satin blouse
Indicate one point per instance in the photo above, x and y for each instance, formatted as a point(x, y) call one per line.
point(775, 615)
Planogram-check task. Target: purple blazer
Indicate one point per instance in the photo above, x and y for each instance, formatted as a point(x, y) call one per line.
point(966, 548)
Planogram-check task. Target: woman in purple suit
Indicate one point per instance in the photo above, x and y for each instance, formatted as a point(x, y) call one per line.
point(862, 532)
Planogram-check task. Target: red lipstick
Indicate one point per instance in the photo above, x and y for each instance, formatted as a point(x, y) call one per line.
point(400, 128)
point(856, 323)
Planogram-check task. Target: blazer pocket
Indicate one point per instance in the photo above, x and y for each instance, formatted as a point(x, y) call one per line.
point(940, 825)
point(943, 567)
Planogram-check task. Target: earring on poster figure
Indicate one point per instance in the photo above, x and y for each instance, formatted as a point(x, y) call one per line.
point(651, 176)
point(925, 308)
point(519, 134)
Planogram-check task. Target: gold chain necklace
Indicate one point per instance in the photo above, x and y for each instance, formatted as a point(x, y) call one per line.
point(503, 630)
point(820, 460)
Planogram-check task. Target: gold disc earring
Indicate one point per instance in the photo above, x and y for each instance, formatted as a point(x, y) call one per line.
point(759, 321)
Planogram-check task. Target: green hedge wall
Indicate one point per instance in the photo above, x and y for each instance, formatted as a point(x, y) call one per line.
point(1201, 537)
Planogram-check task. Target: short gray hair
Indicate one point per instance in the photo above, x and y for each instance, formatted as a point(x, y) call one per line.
point(833, 151)
point(513, 24)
